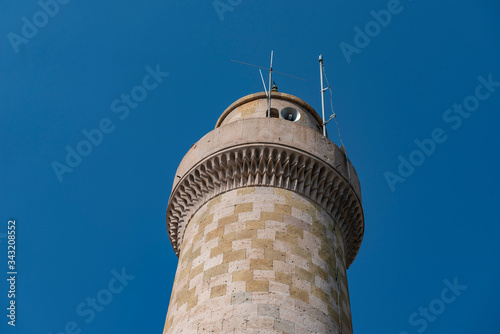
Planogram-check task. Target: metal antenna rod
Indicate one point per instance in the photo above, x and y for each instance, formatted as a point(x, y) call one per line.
point(270, 69)
point(322, 95)
point(263, 82)
point(270, 80)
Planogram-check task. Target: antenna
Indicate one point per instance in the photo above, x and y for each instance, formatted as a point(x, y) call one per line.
point(333, 115)
point(270, 69)
point(263, 83)
point(270, 80)
point(322, 95)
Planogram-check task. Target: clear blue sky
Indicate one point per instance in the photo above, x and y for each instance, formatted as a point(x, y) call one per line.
point(108, 212)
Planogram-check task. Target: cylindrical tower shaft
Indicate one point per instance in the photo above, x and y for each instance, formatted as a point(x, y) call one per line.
point(260, 260)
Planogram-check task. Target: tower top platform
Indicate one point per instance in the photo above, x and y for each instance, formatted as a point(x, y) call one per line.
point(255, 106)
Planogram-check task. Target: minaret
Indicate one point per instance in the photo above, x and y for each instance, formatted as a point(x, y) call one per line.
point(265, 215)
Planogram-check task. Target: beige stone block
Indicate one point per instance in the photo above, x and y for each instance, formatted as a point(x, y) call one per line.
point(260, 323)
point(301, 283)
point(239, 265)
point(297, 261)
point(254, 224)
point(241, 244)
point(263, 275)
point(276, 226)
point(218, 291)
point(284, 267)
point(255, 253)
point(234, 227)
point(192, 301)
point(318, 230)
point(246, 191)
point(282, 246)
point(249, 216)
point(235, 199)
point(274, 255)
point(244, 207)
point(226, 220)
point(282, 209)
point(283, 278)
point(227, 238)
point(213, 201)
point(273, 216)
point(245, 234)
point(266, 234)
point(231, 256)
point(262, 244)
point(327, 252)
point(215, 271)
point(309, 242)
point(284, 236)
point(301, 252)
point(304, 274)
point(261, 264)
point(262, 286)
point(295, 231)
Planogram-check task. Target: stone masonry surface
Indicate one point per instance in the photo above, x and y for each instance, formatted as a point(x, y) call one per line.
point(260, 260)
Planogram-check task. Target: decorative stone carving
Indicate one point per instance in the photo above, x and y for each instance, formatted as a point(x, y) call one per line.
point(272, 165)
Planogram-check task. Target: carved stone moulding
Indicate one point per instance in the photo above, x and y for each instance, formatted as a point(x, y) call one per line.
point(271, 165)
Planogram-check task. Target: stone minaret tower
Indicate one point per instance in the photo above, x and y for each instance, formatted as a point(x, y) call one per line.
point(265, 215)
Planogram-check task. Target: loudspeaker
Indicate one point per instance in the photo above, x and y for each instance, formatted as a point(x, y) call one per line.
point(290, 114)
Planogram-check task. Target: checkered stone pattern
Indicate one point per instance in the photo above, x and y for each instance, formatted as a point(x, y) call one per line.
point(260, 260)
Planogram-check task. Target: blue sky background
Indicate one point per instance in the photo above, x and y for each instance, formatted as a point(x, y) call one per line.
point(109, 212)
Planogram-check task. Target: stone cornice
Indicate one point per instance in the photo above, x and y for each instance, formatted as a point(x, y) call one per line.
point(278, 161)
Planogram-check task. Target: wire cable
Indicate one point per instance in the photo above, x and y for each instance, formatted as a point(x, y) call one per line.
point(334, 116)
